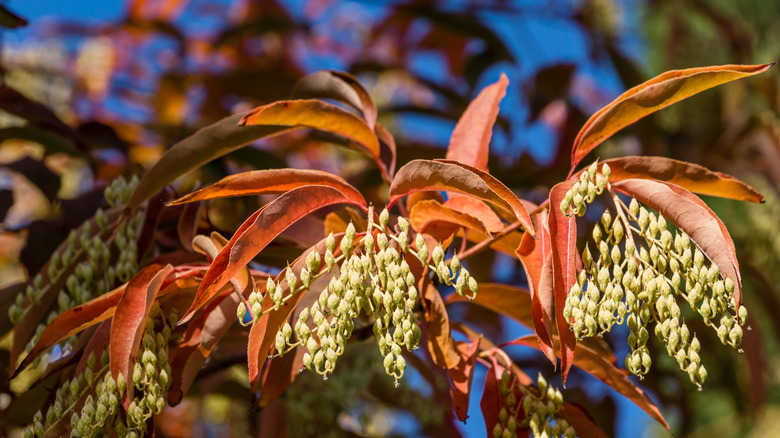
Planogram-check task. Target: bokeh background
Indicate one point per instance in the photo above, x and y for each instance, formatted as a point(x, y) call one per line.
point(120, 81)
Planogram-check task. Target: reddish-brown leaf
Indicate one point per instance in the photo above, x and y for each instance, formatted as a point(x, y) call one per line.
point(651, 96)
point(271, 181)
point(478, 209)
point(461, 377)
point(536, 258)
point(563, 243)
point(470, 140)
point(206, 144)
point(689, 176)
point(491, 399)
point(388, 150)
point(690, 214)
point(426, 213)
point(258, 231)
point(263, 331)
point(199, 340)
point(130, 318)
point(579, 419)
point(440, 342)
point(73, 321)
point(597, 366)
point(97, 344)
point(187, 227)
point(511, 301)
point(317, 114)
point(453, 176)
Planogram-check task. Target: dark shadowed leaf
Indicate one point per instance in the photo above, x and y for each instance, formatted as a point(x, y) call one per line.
point(440, 342)
point(511, 301)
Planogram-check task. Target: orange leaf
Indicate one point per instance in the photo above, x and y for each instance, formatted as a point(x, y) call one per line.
point(344, 87)
point(73, 321)
point(130, 319)
point(511, 301)
point(462, 375)
point(689, 176)
point(474, 207)
point(206, 144)
point(271, 181)
point(651, 96)
point(563, 232)
point(257, 232)
point(425, 213)
point(535, 256)
point(690, 214)
point(470, 140)
point(424, 175)
point(313, 113)
point(601, 368)
point(440, 342)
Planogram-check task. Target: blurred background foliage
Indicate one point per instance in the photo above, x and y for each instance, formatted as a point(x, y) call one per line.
point(83, 101)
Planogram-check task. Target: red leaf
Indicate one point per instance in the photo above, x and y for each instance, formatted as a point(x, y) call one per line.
point(651, 96)
point(187, 227)
point(491, 399)
point(97, 344)
point(690, 214)
point(199, 340)
point(271, 181)
point(440, 342)
point(470, 141)
point(130, 318)
point(536, 258)
point(461, 376)
point(257, 232)
point(453, 176)
point(563, 232)
point(73, 321)
point(689, 176)
point(597, 366)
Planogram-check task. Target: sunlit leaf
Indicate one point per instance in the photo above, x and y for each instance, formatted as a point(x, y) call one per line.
point(651, 96)
point(271, 181)
point(470, 140)
point(341, 86)
point(461, 377)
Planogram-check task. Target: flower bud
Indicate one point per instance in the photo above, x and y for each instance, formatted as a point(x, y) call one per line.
point(330, 242)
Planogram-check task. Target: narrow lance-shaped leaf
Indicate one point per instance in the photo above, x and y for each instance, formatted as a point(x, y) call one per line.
point(535, 256)
point(312, 113)
point(690, 214)
point(461, 377)
point(73, 321)
point(689, 176)
point(470, 140)
point(563, 233)
point(337, 85)
point(271, 181)
point(601, 368)
point(452, 176)
point(651, 96)
point(258, 231)
point(440, 342)
point(206, 144)
point(130, 318)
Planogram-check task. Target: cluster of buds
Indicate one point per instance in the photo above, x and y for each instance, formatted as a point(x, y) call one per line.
point(97, 394)
point(369, 276)
point(590, 184)
point(82, 266)
point(522, 408)
point(640, 285)
point(151, 375)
